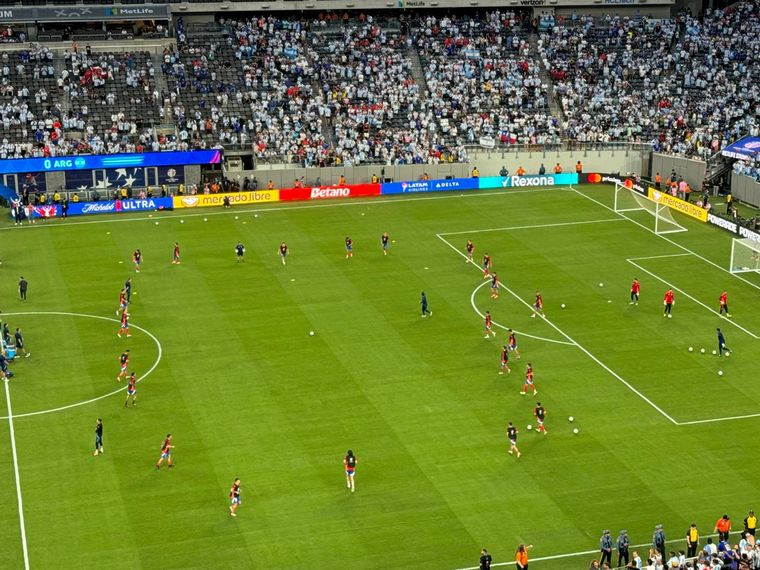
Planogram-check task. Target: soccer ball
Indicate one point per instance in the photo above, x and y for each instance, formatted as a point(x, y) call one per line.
point(720, 373)
point(205, 219)
point(601, 284)
point(182, 221)
point(236, 217)
point(702, 350)
point(715, 352)
point(571, 419)
point(156, 223)
point(562, 306)
point(691, 349)
point(311, 333)
point(255, 215)
point(575, 430)
point(530, 427)
point(728, 354)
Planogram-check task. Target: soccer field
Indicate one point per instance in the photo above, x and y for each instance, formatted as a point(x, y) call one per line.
point(234, 375)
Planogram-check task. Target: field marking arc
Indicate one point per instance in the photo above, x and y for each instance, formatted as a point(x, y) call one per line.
point(521, 333)
point(207, 212)
point(91, 400)
point(19, 498)
point(685, 294)
point(575, 343)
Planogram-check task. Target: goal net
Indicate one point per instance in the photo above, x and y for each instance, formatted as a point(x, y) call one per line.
point(660, 219)
point(745, 256)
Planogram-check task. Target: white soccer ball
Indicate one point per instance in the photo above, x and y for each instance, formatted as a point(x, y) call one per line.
point(715, 352)
point(236, 217)
point(530, 427)
point(601, 284)
point(255, 215)
point(691, 349)
point(571, 419)
point(727, 354)
point(702, 350)
point(562, 306)
point(575, 430)
point(720, 373)
point(156, 223)
point(311, 333)
point(205, 219)
point(182, 221)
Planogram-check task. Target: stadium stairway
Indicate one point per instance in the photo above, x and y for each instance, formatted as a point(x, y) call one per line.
point(417, 72)
point(554, 107)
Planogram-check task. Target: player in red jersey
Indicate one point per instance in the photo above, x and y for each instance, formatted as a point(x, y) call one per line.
point(166, 452)
point(668, 300)
point(494, 286)
point(540, 414)
point(470, 249)
point(123, 362)
point(505, 360)
point(512, 343)
point(723, 301)
point(349, 462)
point(489, 325)
point(122, 301)
point(175, 254)
point(131, 390)
point(124, 324)
point(234, 496)
point(538, 305)
point(635, 288)
point(528, 384)
point(486, 265)
point(137, 259)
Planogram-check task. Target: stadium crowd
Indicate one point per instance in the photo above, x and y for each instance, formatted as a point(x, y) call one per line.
point(350, 89)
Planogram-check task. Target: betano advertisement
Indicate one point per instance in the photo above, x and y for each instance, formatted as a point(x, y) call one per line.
point(691, 210)
point(327, 192)
point(527, 181)
point(236, 199)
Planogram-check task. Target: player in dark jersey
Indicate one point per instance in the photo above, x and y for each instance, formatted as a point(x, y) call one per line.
point(349, 247)
point(494, 286)
point(175, 254)
point(486, 265)
point(128, 289)
point(512, 343)
point(234, 496)
point(137, 259)
point(470, 249)
point(166, 452)
point(124, 327)
point(123, 362)
point(20, 344)
point(384, 242)
point(512, 437)
point(635, 288)
point(489, 325)
point(131, 390)
point(283, 252)
point(240, 251)
point(540, 414)
point(505, 361)
point(528, 383)
point(538, 305)
point(98, 437)
point(349, 462)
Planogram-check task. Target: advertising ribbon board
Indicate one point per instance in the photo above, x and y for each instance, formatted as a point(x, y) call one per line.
point(429, 186)
point(326, 192)
point(527, 181)
point(236, 199)
point(117, 206)
point(691, 210)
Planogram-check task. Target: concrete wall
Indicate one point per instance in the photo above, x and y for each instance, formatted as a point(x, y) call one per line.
point(745, 189)
point(693, 171)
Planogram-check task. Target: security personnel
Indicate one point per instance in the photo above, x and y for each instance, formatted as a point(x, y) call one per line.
point(750, 523)
point(692, 540)
point(729, 203)
point(658, 539)
point(605, 546)
point(374, 179)
point(623, 543)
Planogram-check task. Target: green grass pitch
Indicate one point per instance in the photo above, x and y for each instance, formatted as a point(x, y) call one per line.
point(248, 393)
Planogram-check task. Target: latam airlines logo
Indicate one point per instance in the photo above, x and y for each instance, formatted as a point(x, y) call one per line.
point(317, 193)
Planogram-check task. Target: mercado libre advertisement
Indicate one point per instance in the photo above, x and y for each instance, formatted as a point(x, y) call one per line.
point(235, 199)
point(326, 192)
point(536, 181)
point(674, 203)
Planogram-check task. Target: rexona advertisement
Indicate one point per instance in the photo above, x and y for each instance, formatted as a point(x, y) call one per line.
point(674, 203)
point(117, 206)
point(327, 192)
point(235, 198)
point(429, 186)
point(527, 181)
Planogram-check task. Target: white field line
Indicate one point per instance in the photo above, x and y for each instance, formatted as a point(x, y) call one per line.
point(670, 241)
point(697, 301)
point(206, 212)
point(667, 255)
point(109, 394)
point(535, 226)
point(724, 419)
point(482, 316)
point(580, 347)
point(22, 524)
point(631, 548)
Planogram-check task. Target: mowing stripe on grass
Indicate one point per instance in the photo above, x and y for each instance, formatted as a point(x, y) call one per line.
point(685, 294)
point(580, 347)
point(534, 226)
point(482, 316)
point(22, 524)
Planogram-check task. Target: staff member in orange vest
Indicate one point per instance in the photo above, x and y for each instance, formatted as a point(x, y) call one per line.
point(657, 180)
point(578, 168)
point(520, 171)
point(270, 185)
point(558, 169)
point(723, 527)
point(521, 556)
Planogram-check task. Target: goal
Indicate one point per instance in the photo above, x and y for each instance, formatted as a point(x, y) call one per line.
point(745, 256)
point(628, 200)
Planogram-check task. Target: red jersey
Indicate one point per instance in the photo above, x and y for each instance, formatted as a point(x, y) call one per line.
point(234, 491)
point(488, 321)
point(723, 299)
point(494, 282)
point(539, 301)
point(124, 318)
point(669, 296)
point(132, 382)
point(176, 251)
point(166, 445)
point(529, 374)
point(486, 261)
point(504, 356)
point(124, 358)
point(635, 287)
point(122, 298)
point(512, 340)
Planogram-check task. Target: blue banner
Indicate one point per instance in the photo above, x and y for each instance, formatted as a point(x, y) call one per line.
point(118, 206)
point(429, 186)
point(112, 161)
point(528, 181)
point(747, 149)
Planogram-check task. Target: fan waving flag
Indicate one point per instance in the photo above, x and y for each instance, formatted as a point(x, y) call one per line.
point(747, 148)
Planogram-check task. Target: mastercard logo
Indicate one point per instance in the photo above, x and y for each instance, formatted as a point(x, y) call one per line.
point(629, 183)
point(594, 178)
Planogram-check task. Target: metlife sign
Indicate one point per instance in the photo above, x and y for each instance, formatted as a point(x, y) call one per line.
point(85, 13)
point(451, 184)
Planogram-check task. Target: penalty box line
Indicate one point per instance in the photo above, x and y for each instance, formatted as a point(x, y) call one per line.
point(19, 498)
point(574, 343)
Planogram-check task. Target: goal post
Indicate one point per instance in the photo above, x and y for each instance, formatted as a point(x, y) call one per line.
point(745, 256)
point(628, 200)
